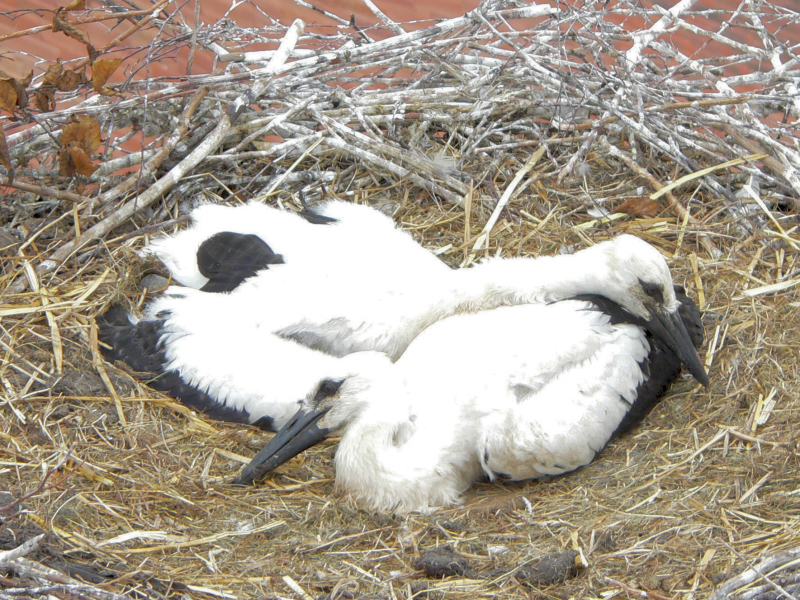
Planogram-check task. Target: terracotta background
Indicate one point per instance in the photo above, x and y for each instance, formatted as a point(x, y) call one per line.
point(49, 46)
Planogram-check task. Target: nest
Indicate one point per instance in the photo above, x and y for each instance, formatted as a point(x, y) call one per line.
point(514, 130)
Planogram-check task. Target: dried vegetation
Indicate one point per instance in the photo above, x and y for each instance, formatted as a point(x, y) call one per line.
point(511, 131)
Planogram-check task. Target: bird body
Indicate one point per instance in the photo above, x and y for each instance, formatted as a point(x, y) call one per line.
point(337, 238)
point(344, 312)
point(217, 349)
point(544, 400)
point(515, 368)
point(514, 392)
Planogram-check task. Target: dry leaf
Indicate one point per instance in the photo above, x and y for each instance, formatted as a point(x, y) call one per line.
point(74, 160)
point(80, 139)
point(70, 80)
point(19, 95)
point(102, 69)
point(66, 168)
point(62, 24)
point(5, 159)
point(107, 91)
point(93, 54)
point(22, 94)
point(8, 95)
point(639, 207)
point(53, 74)
point(45, 99)
point(76, 5)
point(83, 132)
point(83, 164)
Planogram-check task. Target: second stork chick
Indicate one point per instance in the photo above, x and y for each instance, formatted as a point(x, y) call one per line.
point(515, 392)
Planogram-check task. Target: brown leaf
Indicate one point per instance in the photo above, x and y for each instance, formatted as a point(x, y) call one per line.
point(8, 95)
point(45, 99)
point(639, 207)
point(102, 69)
point(6, 98)
point(76, 5)
point(22, 100)
point(83, 132)
point(93, 54)
point(70, 80)
point(62, 24)
point(5, 159)
point(22, 94)
point(53, 74)
point(72, 160)
point(66, 168)
point(107, 91)
point(83, 164)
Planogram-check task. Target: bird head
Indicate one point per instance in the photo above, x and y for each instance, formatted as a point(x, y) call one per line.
point(332, 403)
point(638, 279)
point(634, 275)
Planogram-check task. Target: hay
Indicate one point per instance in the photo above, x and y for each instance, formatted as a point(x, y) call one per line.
point(505, 132)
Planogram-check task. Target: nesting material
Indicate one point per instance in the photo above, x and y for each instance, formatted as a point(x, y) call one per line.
point(433, 126)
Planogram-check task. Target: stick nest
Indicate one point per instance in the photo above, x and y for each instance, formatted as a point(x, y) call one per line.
point(514, 130)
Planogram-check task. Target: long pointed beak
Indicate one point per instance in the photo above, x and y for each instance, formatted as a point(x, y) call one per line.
point(300, 433)
point(670, 329)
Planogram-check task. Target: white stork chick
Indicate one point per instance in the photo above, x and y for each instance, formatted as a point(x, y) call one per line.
point(225, 245)
point(189, 338)
point(357, 282)
point(516, 392)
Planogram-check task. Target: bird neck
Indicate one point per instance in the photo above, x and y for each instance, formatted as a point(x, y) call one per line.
point(499, 282)
point(390, 461)
point(514, 281)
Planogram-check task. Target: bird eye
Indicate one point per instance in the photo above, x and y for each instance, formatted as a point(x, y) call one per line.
point(329, 388)
point(653, 290)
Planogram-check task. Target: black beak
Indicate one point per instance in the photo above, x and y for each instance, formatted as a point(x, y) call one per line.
point(300, 433)
point(669, 328)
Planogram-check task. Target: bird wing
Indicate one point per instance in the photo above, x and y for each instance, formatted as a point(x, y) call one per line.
point(562, 408)
point(610, 374)
point(215, 360)
point(138, 345)
point(662, 366)
point(338, 237)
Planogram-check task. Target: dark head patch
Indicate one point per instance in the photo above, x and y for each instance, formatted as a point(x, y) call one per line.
point(228, 258)
point(653, 290)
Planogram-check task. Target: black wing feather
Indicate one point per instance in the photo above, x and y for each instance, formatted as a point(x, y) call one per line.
point(316, 218)
point(661, 366)
point(140, 347)
point(228, 258)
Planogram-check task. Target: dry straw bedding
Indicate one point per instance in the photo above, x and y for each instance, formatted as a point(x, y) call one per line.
point(528, 123)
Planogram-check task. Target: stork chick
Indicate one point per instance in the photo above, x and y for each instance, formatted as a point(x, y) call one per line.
point(515, 392)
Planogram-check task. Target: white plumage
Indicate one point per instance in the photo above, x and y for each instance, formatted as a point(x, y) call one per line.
point(353, 240)
point(528, 382)
point(517, 392)
point(229, 354)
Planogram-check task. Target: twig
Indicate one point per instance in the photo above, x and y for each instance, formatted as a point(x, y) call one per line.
point(755, 572)
point(382, 16)
point(22, 550)
point(43, 191)
point(262, 83)
point(42, 487)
